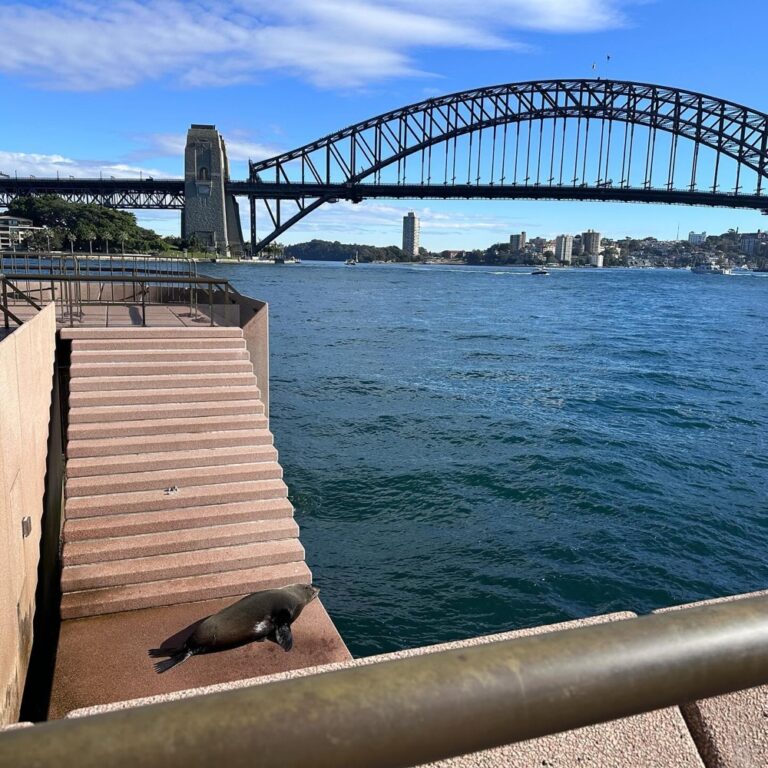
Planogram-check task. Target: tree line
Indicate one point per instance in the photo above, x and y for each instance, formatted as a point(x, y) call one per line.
point(84, 226)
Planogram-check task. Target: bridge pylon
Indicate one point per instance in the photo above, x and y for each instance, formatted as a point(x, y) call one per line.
point(211, 215)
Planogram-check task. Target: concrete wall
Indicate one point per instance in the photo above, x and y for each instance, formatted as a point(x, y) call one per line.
point(26, 376)
point(254, 320)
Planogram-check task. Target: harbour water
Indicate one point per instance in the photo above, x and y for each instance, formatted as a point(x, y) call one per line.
point(473, 450)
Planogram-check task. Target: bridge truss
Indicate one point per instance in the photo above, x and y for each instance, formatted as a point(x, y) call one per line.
point(555, 139)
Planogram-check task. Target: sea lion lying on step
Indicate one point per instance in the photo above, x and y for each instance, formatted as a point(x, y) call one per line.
point(265, 615)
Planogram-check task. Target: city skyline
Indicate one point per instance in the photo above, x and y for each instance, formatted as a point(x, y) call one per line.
point(129, 103)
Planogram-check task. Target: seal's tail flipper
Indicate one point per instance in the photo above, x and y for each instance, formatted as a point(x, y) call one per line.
point(177, 655)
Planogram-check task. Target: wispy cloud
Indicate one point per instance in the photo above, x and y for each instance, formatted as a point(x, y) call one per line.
point(239, 147)
point(88, 45)
point(33, 164)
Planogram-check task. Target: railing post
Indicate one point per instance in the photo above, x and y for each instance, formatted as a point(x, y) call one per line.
point(143, 305)
point(210, 301)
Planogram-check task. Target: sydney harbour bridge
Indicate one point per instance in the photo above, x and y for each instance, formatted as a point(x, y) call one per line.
point(592, 139)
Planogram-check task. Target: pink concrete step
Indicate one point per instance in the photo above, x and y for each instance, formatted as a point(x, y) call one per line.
point(144, 462)
point(178, 394)
point(156, 443)
point(151, 368)
point(165, 478)
point(180, 518)
point(183, 590)
point(165, 381)
point(160, 426)
point(148, 544)
point(82, 357)
point(180, 564)
point(142, 345)
point(111, 413)
point(192, 496)
point(134, 332)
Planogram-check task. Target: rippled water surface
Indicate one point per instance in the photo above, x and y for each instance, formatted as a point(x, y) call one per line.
point(472, 450)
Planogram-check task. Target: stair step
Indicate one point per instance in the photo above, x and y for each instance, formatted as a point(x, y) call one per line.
point(180, 564)
point(165, 478)
point(245, 391)
point(96, 466)
point(148, 544)
point(165, 381)
point(134, 332)
point(142, 345)
point(192, 588)
point(208, 355)
point(156, 443)
point(176, 519)
point(163, 426)
point(191, 496)
point(169, 368)
point(97, 414)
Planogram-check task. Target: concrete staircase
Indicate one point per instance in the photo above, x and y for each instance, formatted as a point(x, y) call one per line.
point(173, 490)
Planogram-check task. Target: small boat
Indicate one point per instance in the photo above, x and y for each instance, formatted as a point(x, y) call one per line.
point(540, 271)
point(708, 268)
point(352, 262)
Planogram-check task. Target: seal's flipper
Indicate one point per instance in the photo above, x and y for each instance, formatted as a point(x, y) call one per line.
point(161, 653)
point(284, 636)
point(181, 655)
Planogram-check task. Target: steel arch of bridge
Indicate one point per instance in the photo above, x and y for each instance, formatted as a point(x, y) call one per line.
point(352, 163)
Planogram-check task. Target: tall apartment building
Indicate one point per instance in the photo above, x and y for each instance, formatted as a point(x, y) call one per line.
point(591, 240)
point(517, 242)
point(697, 238)
point(411, 229)
point(563, 248)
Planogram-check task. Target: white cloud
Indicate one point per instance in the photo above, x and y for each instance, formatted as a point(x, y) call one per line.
point(32, 164)
point(88, 45)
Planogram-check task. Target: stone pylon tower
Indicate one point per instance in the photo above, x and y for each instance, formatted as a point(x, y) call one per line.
point(210, 215)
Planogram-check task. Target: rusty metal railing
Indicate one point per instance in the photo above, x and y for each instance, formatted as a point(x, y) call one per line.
point(430, 707)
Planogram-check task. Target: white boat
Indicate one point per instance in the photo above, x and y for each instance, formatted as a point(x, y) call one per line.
point(352, 262)
point(708, 268)
point(540, 271)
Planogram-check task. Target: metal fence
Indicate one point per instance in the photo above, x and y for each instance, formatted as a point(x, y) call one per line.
point(73, 293)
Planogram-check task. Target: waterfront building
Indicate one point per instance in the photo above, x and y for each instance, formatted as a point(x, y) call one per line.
point(697, 238)
point(563, 248)
point(517, 242)
point(591, 241)
point(411, 229)
point(14, 229)
point(750, 243)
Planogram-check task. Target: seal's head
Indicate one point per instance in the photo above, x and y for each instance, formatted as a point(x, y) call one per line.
point(305, 592)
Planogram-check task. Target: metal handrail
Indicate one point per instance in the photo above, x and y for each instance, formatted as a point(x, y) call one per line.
point(5, 284)
point(430, 707)
point(71, 297)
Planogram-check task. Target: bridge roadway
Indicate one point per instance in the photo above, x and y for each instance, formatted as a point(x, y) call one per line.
point(169, 193)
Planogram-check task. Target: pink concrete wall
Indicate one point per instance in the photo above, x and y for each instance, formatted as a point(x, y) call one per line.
point(254, 320)
point(26, 376)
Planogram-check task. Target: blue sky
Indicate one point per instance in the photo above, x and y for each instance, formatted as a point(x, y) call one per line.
point(93, 87)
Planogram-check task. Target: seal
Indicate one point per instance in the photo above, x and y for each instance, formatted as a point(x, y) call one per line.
point(265, 615)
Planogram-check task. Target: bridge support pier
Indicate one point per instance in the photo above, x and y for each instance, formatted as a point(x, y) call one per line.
point(211, 215)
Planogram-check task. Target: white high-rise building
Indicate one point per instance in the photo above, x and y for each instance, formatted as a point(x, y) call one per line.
point(411, 229)
point(564, 248)
point(697, 238)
